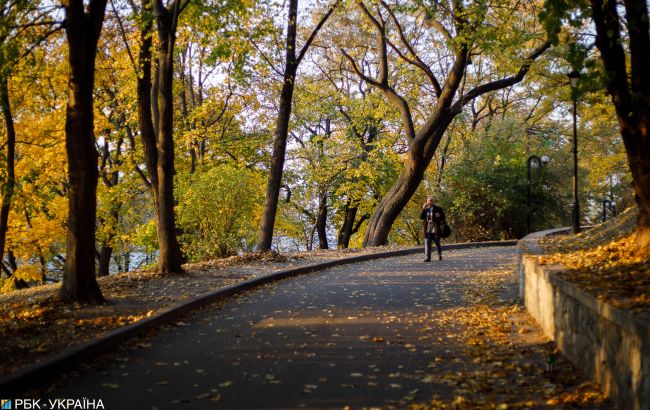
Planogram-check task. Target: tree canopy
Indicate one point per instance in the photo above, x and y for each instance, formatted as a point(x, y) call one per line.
point(347, 114)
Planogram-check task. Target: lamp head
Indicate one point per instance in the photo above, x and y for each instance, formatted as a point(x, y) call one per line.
point(545, 160)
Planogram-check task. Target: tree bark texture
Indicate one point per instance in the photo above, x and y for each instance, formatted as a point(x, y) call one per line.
point(145, 116)
point(345, 233)
point(105, 254)
point(350, 224)
point(267, 224)
point(82, 32)
point(9, 184)
point(106, 249)
point(631, 97)
point(170, 257)
point(321, 221)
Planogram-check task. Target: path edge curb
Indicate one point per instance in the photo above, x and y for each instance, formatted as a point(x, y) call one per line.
point(30, 376)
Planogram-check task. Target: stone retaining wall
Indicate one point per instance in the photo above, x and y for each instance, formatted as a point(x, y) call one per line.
point(606, 343)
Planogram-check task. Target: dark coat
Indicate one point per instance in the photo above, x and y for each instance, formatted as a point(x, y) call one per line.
point(437, 214)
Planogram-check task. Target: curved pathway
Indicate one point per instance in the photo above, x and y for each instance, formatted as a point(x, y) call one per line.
point(385, 333)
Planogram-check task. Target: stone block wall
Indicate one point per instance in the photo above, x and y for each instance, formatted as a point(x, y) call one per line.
point(608, 344)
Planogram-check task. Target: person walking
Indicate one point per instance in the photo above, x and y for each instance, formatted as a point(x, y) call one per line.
point(432, 217)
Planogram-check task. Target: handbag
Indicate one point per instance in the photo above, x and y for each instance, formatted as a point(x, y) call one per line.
point(445, 229)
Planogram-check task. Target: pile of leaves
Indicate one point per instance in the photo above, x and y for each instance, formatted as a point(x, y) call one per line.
point(602, 262)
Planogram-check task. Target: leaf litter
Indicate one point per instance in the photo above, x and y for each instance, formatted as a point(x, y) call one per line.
point(498, 365)
point(602, 262)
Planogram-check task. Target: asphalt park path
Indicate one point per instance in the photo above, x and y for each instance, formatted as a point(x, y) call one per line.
point(359, 335)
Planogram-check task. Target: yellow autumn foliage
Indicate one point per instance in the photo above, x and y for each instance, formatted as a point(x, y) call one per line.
point(27, 273)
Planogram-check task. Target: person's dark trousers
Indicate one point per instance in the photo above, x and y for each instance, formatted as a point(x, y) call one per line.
point(429, 238)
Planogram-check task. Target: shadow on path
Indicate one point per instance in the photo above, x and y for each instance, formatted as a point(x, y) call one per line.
point(386, 333)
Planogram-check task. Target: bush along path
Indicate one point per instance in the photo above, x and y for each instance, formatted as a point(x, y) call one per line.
point(390, 333)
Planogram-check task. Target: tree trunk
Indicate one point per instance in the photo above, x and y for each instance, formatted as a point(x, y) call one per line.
point(127, 261)
point(349, 228)
point(443, 161)
point(82, 32)
point(9, 185)
point(321, 221)
point(105, 260)
point(348, 224)
point(631, 99)
point(184, 109)
point(265, 236)
point(396, 199)
point(170, 257)
point(11, 258)
point(145, 118)
point(106, 250)
point(110, 180)
point(424, 142)
point(393, 203)
point(155, 92)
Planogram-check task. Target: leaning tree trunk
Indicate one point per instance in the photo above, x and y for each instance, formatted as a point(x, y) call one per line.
point(423, 142)
point(170, 257)
point(82, 32)
point(9, 185)
point(420, 155)
point(631, 98)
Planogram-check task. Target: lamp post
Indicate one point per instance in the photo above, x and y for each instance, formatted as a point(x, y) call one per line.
point(607, 204)
point(574, 76)
point(540, 162)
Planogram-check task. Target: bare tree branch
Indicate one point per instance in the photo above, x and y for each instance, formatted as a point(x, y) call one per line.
point(265, 58)
point(381, 43)
point(314, 32)
point(357, 70)
point(382, 83)
point(415, 60)
point(123, 34)
point(504, 82)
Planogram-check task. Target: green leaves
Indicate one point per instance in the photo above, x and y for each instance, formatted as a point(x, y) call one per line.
point(217, 211)
point(556, 13)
